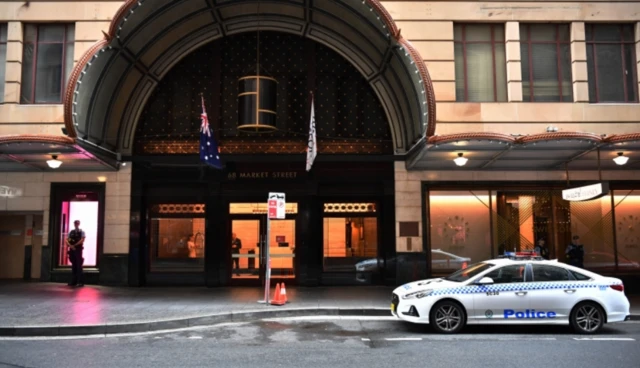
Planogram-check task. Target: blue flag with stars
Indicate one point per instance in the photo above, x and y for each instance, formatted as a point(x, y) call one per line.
point(209, 152)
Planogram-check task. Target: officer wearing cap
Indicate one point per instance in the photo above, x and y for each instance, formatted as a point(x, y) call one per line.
point(75, 243)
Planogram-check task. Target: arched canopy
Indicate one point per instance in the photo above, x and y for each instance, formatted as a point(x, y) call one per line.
point(113, 80)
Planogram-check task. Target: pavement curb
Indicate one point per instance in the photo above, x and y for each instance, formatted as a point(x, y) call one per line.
point(207, 320)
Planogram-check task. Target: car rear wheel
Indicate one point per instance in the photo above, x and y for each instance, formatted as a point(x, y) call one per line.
point(587, 318)
point(447, 317)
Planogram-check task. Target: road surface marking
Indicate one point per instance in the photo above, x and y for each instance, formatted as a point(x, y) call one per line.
point(195, 337)
point(604, 339)
point(404, 339)
point(325, 318)
point(365, 339)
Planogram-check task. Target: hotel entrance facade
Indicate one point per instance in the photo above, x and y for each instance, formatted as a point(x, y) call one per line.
point(528, 103)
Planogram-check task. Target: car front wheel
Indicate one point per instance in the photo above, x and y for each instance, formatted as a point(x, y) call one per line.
point(447, 317)
point(587, 318)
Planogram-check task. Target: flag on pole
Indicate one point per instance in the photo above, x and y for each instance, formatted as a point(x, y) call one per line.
point(209, 153)
point(312, 146)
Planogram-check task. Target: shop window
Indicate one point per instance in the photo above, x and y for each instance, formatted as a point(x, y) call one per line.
point(47, 61)
point(351, 238)
point(176, 237)
point(85, 207)
point(521, 219)
point(546, 63)
point(611, 63)
point(627, 228)
point(592, 222)
point(480, 63)
point(3, 58)
point(459, 229)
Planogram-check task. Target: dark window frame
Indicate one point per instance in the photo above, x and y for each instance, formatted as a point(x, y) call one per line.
point(591, 46)
point(493, 42)
point(529, 43)
point(34, 73)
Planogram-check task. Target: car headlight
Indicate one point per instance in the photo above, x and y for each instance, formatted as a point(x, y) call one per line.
point(417, 294)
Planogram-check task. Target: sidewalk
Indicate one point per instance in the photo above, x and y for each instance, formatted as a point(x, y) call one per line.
point(50, 309)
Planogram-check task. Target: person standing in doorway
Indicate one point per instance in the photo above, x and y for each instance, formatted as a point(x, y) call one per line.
point(575, 252)
point(75, 243)
point(236, 244)
point(541, 249)
point(191, 244)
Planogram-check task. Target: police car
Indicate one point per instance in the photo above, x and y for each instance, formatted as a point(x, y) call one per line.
point(519, 288)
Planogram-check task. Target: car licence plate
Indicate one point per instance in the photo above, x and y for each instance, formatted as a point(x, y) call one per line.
point(393, 307)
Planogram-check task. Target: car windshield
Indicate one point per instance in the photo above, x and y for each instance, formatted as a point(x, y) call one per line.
point(469, 272)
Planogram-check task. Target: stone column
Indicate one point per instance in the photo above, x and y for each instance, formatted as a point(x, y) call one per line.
point(514, 64)
point(579, 73)
point(13, 74)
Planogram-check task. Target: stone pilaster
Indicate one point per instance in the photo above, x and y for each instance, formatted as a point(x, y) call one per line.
point(13, 71)
point(579, 73)
point(514, 64)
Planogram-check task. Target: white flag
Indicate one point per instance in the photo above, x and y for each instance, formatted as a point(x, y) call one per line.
point(312, 147)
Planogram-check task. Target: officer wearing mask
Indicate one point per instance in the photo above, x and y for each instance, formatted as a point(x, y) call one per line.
point(75, 243)
point(575, 252)
point(542, 249)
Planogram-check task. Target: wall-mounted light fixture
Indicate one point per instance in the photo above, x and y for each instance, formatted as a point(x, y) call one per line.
point(621, 159)
point(54, 163)
point(460, 161)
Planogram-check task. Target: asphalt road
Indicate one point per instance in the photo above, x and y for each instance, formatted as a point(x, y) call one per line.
point(325, 342)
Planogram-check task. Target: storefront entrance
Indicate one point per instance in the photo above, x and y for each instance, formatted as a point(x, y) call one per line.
point(248, 244)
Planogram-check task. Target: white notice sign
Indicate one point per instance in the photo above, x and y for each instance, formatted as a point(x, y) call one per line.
point(276, 206)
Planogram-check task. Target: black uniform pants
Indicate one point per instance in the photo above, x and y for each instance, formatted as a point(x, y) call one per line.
point(75, 257)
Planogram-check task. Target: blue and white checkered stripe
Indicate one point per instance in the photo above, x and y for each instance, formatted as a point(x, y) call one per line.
point(478, 289)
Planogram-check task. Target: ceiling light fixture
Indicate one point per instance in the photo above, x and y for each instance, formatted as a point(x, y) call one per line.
point(54, 163)
point(460, 161)
point(621, 159)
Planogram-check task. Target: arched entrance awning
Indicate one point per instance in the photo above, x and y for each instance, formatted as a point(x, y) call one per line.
point(113, 80)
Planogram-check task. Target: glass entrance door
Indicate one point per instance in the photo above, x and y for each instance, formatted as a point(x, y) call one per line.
point(248, 242)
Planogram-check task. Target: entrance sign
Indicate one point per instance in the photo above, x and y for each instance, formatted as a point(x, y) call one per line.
point(275, 210)
point(586, 193)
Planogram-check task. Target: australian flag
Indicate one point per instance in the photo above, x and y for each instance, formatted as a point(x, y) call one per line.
point(209, 153)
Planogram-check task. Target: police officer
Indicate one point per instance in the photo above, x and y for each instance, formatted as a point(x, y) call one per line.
point(575, 252)
point(542, 249)
point(75, 243)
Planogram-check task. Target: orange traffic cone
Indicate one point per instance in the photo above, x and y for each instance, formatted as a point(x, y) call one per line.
point(277, 298)
point(283, 294)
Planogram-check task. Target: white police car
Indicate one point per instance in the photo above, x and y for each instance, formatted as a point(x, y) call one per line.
point(519, 289)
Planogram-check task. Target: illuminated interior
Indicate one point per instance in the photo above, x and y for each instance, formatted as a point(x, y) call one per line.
point(87, 212)
point(349, 240)
point(469, 226)
point(176, 237)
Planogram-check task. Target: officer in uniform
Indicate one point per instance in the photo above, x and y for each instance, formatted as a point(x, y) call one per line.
point(575, 252)
point(542, 249)
point(75, 243)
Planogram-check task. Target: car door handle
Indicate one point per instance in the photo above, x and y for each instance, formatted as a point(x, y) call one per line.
point(521, 293)
point(570, 291)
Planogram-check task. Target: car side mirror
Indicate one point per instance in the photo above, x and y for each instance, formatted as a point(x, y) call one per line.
point(485, 281)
